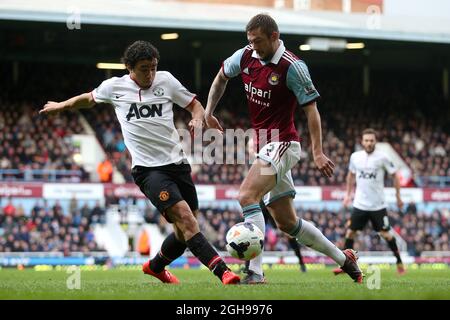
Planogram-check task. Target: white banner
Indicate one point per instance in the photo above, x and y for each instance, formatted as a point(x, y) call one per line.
point(308, 193)
point(206, 192)
point(83, 191)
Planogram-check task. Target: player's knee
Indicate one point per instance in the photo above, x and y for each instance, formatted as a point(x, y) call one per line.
point(285, 227)
point(246, 197)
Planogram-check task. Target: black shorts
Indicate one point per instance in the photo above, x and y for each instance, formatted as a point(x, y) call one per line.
point(166, 185)
point(379, 219)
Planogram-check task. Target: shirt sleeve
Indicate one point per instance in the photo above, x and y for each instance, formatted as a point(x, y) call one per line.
point(178, 93)
point(103, 93)
point(299, 81)
point(351, 165)
point(389, 166)
point(232, 66)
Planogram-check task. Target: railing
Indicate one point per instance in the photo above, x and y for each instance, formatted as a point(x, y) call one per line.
point(433, 181)
point(40, 175)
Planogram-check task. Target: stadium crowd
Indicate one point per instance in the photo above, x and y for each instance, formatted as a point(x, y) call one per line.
point(45, 145)
point(422, 232)
point(30, 142)
point(411, 120)
point(422, 140)
point(49, 229)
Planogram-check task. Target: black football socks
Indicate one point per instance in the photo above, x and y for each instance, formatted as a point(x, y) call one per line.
point(207, 255)
point(171, 249)
point(349, 243)
point(296, 247)
point(393, 245)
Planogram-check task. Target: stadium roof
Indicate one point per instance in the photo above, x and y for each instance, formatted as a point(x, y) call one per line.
point(166, 14)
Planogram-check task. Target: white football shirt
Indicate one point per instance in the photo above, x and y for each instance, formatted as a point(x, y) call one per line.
point(369, 170)
point(146, 116)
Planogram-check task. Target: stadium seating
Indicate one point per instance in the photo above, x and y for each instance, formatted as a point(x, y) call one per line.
point(420, 136)
point(49, 229)
point(423, 144)
point(40, 152)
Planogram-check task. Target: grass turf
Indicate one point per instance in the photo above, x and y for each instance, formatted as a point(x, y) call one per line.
point(289, 284)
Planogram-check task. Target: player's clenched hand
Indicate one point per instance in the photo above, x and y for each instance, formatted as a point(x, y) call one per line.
point(325, 165)
point(212, 122)
point(51, 107)
point(196, 125)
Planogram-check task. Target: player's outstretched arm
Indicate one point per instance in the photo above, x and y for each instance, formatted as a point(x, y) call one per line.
point(215, 93)
point(325, 165)
point(350, 182)
point(84, 100)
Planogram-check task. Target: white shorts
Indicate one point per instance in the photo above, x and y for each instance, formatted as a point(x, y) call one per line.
point(282, 156)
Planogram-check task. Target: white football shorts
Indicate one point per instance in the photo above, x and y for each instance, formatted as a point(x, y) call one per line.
point(282, 156)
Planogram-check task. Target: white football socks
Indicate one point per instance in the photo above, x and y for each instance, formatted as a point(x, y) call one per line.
point(307, 234)
point(253, 214)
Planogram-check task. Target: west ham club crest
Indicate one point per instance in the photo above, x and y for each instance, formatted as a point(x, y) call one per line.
point(274, 78)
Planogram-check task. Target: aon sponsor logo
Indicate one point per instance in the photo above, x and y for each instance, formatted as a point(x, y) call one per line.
point(144, 111)
point(367, 175)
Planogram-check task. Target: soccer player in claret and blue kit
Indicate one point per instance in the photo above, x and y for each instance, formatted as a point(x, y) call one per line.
point(276, 82)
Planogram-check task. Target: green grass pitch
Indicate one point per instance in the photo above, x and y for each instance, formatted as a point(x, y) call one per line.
point(285, 284)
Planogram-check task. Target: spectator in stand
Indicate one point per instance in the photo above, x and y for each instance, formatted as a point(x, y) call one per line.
point(9, 209)
point(105, 171)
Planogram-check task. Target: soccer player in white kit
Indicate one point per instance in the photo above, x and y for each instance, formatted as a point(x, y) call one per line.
point(368, 167)
point(143, 101)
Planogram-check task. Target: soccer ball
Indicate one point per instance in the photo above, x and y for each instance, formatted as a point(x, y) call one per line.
point(245, 241)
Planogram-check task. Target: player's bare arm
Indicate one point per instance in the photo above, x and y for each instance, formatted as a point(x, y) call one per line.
point(84, 100)
point(198, 112)
point(215, 93)
point(397, 190)
point(325, 165)
point(350, 183)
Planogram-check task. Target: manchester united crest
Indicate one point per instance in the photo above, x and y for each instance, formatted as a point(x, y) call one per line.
point(164, 195)
point(274, 78)
point(158, 91)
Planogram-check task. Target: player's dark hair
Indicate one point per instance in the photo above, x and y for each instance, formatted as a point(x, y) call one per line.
point(263, 21)
point(370, 131)
point(137, 51)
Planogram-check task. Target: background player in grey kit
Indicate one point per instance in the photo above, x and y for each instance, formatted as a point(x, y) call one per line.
point(143, 101)
point(367, 168)
point(276, 82)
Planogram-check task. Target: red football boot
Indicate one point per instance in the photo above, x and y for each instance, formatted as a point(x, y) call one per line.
point(229, 277)
point(351, 266)
point(165, 276)
point(338, 271)
point(401, 269)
